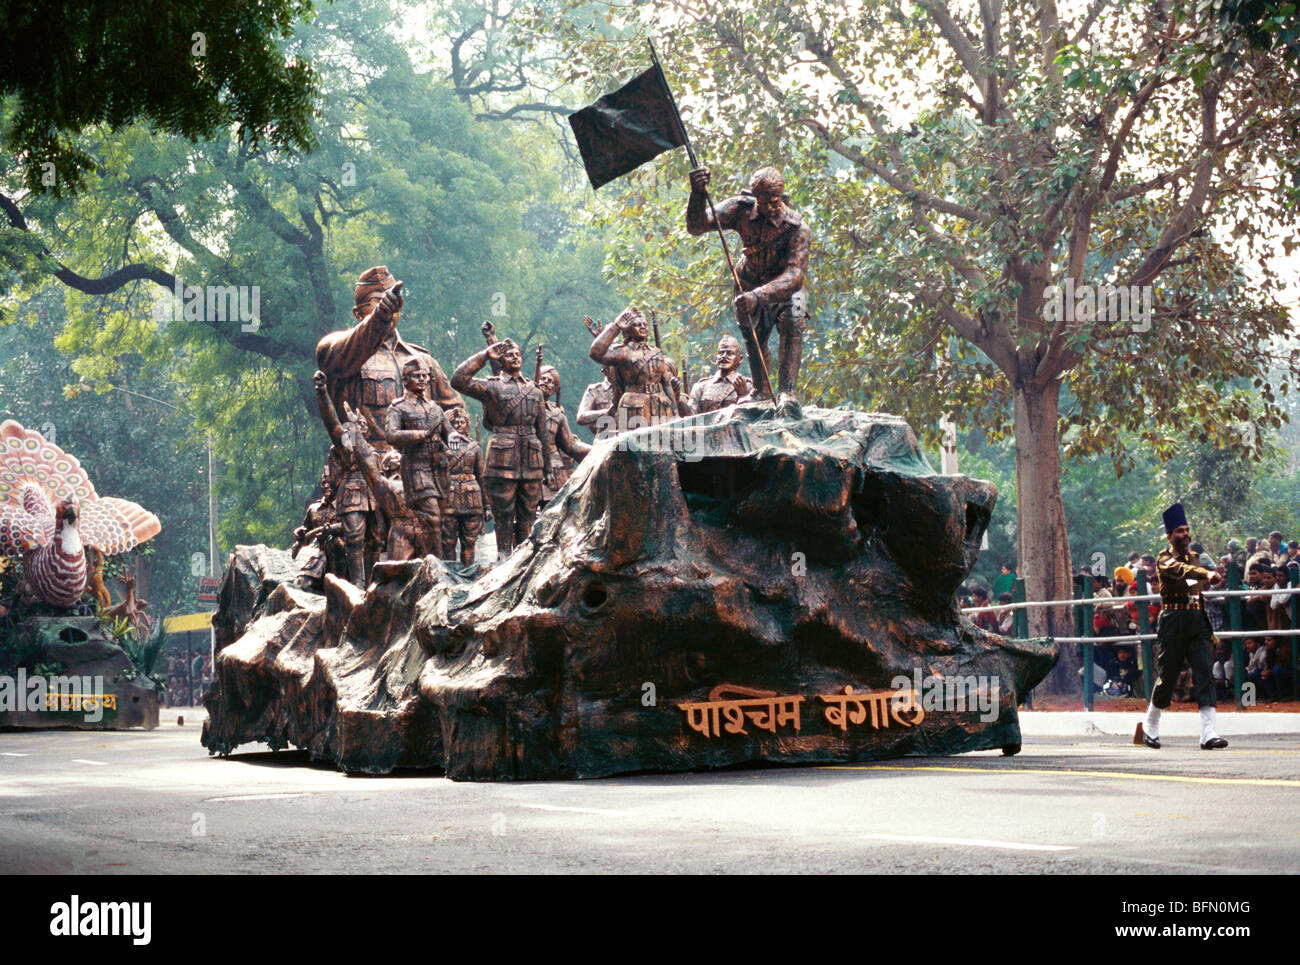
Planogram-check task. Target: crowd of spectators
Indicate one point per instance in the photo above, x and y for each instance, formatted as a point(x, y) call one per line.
point(1266, 564)
point(186, 684)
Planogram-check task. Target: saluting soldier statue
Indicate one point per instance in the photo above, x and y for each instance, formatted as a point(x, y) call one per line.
point(642, 373)
point(566, 448)
point(727, 385)
point(462, 508)
point(771, 270)
point(518, 458)
point(417, 428)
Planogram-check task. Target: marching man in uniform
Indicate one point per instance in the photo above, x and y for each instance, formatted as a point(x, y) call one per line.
point(1183, 634)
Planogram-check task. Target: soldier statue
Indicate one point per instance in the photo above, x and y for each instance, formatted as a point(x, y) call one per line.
point(316, 543)
point(363, 364)
point(595, 404)
point(354, 506)
point(566, 448)
point(462, 508)
point(772, 269)
point(416, 426)
point(408, 535)
point(727, 385)
point(642, 374)
point(518, 457)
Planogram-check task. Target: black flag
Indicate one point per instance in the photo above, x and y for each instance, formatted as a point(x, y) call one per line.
point(623, 130)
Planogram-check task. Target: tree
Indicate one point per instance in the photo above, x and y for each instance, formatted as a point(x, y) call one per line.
point(190, 68)
point(964, 166)
point(474, 218)
point(130, 447)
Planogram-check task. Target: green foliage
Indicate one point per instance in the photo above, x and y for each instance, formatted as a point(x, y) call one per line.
point(19, 647)
point(481, 220)
point(128, 446)
point(1266, 25)
point(1109, 515)
point(938, 228)
point(143, 654)
point(191, 68)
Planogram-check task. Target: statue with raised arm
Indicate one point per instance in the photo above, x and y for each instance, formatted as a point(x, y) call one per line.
point(363, 364)
point(726, 386)
point(642, 373)
point(408, 535)
point(566, 448)
point(518, 457)
point(416, 427)
point(772, 269)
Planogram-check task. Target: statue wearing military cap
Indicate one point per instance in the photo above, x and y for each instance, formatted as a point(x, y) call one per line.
point(363, 364)
point(518, 457)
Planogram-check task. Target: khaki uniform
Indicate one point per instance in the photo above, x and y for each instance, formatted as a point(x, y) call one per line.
point(408, 537)
point(321, 553)
point(565, 448)
point(1183, 634)
point(716, 392)
point(462, 507)
point(358, 513)
point(419, 460)
point(642, 385)
point(364, 367)
point(596, 402)
point(773, 265)
point(518, 453)
point(513, 407)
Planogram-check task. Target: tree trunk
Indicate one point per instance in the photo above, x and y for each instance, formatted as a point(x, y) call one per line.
point(1043, 546)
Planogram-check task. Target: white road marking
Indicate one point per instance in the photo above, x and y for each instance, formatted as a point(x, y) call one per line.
point(11, 754)
point(553, 807)
point(82, 760)
point(256, 797)
point(971, 842)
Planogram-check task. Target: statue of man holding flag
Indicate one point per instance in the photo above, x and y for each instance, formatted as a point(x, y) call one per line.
point(771, 271)
point(639, 121)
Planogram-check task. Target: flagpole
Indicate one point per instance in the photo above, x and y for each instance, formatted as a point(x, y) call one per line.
point(726, 248)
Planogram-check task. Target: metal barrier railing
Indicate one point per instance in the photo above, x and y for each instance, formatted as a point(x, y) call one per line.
point(1089, 640)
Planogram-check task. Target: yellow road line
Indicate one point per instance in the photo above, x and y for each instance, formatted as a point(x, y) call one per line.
point(1248, 781)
